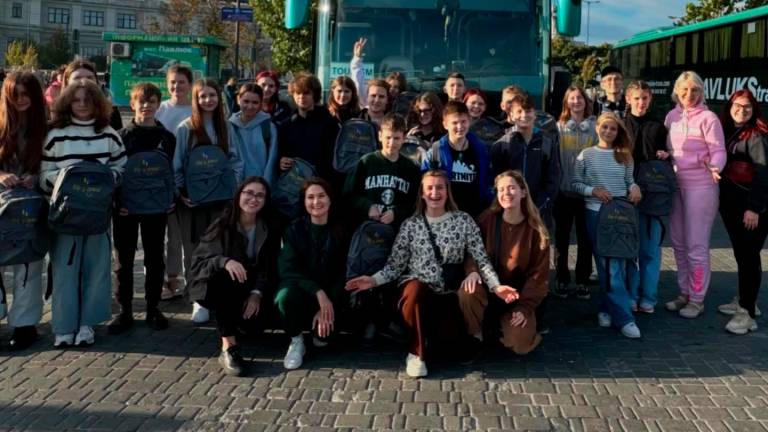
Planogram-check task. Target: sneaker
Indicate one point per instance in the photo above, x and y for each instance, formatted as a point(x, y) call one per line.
point(85, 336)
point(317, 342)
point(645, 308)
point(676, 304)
point(394, 332)
point(730, 308)
point(64, 340)
point(631, 331)
point(120, 324)
point(231, 361)
point(741, 323)
point(22, 338)
point(156, 320)
point(691, 310)
point(562, 290)
point(603, 319)
point(200, 314)
point(295, 355)
point(582, 292)
point(415, 366)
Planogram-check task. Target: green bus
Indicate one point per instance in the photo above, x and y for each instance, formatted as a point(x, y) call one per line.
point(493, 43)
point(728, 52)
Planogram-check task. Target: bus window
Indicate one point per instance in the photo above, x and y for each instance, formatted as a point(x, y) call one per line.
point(753, 39)
point(717, 44)
point(695, 48)
point(637, 54)
point(680, 50)
point(660, 53)
point(625, 60)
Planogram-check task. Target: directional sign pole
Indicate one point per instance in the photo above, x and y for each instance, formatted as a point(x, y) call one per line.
point(237, 44)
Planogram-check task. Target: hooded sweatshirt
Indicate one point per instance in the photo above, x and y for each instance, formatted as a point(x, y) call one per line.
point(696, 142)
point(259, 158)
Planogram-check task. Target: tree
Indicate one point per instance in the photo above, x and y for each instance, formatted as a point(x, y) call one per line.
point(708, 9)
point(57, 51)
point(291, 49)
point(21, 54)
point(583, 61)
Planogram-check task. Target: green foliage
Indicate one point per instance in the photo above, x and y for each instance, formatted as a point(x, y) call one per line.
point(582, 61)
point(21, 55)
point(57, 51)
point(291, 49)
point(703, 10)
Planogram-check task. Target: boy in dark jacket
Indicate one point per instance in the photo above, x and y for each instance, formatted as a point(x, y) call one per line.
point(527, 149)
point(143, 134)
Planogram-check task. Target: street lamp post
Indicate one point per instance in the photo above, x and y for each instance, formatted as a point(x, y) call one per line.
point(589, 9)
point(237, 44)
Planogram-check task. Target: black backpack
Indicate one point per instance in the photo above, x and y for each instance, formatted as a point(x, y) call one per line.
point(402, 103)
point(288, 186)
point(81, 202)
point(24, 237)
point(209, 176)
point(356, 139)
point(148, 186)
point(370, 248)
point(414, 149)
point(658, 183)
point(618, 233)
point(488, 130)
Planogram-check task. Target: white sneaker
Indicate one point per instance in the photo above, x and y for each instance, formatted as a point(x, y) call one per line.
point(64, 340)
point(415, 366)
point(631, 331)
point(200, 315)
point(84, 336)
point(603, 319)
point(730, 308)
point(295, 355)
point(319, 343)
point(741, 323)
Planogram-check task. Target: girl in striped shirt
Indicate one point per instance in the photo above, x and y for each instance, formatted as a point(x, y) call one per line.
point(601, 173)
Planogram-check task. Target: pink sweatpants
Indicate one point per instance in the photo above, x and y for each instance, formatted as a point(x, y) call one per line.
point(693, 213)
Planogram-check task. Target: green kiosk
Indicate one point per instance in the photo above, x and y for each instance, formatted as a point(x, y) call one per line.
point(139, 58)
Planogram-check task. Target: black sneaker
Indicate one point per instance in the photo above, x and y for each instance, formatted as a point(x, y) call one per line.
point(582, 292)
point(156, 320)
point(562, 290)
point(231, 360)
point(471, 351)
point(120, 324)
point(22, 338)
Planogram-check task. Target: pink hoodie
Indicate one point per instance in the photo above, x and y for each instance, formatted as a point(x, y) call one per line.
point(695, 141)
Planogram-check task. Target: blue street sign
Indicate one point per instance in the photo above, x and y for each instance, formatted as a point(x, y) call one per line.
point(243, 14)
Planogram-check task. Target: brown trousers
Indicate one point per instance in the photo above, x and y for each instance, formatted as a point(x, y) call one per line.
point(428, 315)
point(521, 340)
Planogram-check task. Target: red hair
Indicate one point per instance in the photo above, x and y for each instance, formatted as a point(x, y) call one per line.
point(754, 124)
point(475, 92)
point(272, 102)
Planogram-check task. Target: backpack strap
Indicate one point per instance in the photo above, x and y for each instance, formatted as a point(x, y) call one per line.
point(432, 241)
point(266, 133)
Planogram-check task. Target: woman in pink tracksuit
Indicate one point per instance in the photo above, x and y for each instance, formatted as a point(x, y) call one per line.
point(697, 146)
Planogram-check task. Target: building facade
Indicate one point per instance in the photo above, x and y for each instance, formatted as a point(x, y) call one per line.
point(84, 21)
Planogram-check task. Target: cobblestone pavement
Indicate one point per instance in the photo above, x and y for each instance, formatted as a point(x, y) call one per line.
point(683, 375)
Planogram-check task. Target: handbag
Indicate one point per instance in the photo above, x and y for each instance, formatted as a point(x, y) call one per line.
point(741, 172)
point(453, 274)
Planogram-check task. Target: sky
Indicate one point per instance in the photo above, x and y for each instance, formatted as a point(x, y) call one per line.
point(614, 20)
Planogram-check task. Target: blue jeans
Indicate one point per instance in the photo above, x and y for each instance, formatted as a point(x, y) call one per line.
point(644, 280)
point(614, 295)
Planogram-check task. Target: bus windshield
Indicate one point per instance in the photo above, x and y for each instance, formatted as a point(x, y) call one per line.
point(428, 39)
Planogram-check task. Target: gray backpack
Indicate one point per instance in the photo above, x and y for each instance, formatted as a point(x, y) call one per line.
point(23, 232)
point(356, 139)
point(209, 175)
point(369, 249)
point(148, 186)
point(658, 183)
point(618, 233)
point(81, 203)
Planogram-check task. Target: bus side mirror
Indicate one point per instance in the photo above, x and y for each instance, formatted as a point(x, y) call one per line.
point(296, 12)
point(568, 17)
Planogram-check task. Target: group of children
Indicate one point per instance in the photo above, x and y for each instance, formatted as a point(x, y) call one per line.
point(237, 253)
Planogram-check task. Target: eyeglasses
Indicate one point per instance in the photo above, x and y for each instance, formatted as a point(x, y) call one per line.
point(743, 107)
point(425, 111)
point(254, 195)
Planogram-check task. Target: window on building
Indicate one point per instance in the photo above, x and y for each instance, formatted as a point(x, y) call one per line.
point(58, 15)
point(93, 18)
point(753, 39)
point(126, 21)
point(680, 50)
point(90, 51)
point(717, 44)
point(660, 53)
point(17, 10)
